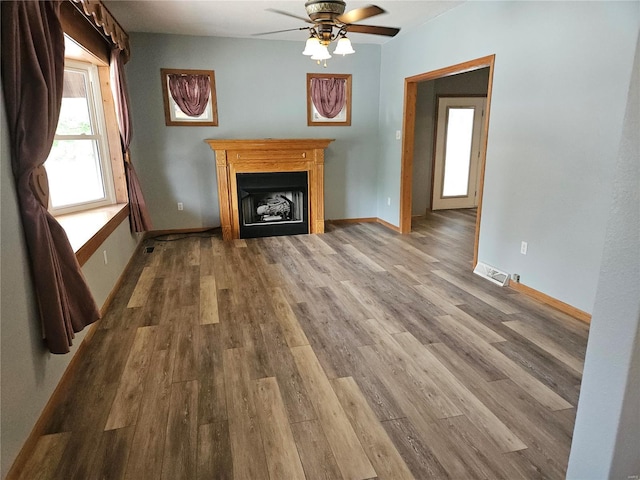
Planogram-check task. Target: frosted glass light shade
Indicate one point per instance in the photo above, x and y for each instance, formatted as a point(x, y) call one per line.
point(321, 54)
point(344, 47)
point(312, 45)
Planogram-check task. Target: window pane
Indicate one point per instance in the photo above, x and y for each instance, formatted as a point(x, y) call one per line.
point(458, 152)
point(74, 114)
point(74, 173)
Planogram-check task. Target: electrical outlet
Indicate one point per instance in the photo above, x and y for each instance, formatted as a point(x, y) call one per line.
point(515, 277)
point(523, 248)
point(389, 201)
point(104, 254)
point(398, 134)
point(180, 206)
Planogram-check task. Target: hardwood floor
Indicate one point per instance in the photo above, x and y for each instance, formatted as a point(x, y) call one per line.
point(356, 354)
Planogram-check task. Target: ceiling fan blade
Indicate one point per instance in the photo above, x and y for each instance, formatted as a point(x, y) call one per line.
point(358, 14)
point(279, 31)
point(289, 15)
point(373, 30)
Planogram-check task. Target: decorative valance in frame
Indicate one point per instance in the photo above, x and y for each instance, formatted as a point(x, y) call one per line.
point(105, 23)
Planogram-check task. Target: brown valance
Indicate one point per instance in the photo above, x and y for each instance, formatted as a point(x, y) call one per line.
point(108, 26)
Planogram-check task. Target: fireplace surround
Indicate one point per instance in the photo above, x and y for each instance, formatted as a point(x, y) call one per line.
point(235, 158)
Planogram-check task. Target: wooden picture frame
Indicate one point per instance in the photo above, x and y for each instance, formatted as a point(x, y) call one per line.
point(174, 116)
point(314, 118)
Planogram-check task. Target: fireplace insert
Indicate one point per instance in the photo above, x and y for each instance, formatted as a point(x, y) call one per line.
point(271, 204)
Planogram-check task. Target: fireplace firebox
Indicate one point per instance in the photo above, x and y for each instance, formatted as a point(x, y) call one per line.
point(271, 204)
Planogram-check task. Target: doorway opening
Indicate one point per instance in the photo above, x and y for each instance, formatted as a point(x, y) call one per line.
point(412, 85)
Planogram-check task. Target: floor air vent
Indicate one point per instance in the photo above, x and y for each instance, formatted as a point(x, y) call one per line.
point(492, 274)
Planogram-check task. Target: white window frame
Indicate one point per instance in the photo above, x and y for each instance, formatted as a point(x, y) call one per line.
point(97, 118)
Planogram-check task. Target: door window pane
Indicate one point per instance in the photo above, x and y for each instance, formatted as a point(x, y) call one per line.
point(458, 152)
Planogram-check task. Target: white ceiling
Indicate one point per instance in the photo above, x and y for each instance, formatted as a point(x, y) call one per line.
point(241, 18)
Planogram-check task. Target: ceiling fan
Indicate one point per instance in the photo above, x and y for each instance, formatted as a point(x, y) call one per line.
point(329, 22)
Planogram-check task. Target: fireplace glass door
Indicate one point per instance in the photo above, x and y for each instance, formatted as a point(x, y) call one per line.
point(272, 204)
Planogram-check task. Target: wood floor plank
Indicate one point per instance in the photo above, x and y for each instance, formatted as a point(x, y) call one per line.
point(147, 448)
point(185, 345)
point(89, 418)
point(294, 394)
point(208, 300)
point(212, 403)
point(344, 443)
point(362, 296)
point(547, 344)
point(318, 460)
point(141, 293)
point(460, 316)
point(279, 446)
point(360, 258)
point(410, 373)
point(124, 410)
point(46, 456)
point(504, 307)
point(244, 432)
point(386, 460)
point(468, 403)
point(214, 452)
point(415, 453)
point(113, 452)
point(182, 432)
point(290, 326)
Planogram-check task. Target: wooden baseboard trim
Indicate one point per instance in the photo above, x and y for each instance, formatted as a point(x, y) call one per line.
point(340, 221)
point(365, 220)
point(552, 302)
point(178, 231)
point(388, 225)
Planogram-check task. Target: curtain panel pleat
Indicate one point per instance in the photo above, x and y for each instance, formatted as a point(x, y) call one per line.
point(328, 95)
point(139, 218)
point(32, 81)
point(190, 92)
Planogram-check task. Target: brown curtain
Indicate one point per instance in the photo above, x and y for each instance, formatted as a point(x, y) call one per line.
point(32, 80)
point(190, 92)
point(328, 95)
point(138, 214)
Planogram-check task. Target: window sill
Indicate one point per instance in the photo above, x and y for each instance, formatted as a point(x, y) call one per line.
point(89, 229)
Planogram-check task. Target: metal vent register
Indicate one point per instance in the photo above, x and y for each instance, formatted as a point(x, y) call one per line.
point(492, 274)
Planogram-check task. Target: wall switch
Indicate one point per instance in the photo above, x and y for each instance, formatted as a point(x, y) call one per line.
point(523, 248)
point(104, 254)
point(398, 134)
point(180, 206)
point(389, 201)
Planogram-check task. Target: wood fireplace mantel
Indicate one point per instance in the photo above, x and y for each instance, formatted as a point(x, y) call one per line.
point(268, 155)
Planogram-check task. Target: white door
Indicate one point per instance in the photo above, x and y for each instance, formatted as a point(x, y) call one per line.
point(457, 156)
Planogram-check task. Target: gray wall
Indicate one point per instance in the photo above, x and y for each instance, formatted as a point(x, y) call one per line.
point(561, 75)
point(29, 374)
point(607, 431)
point(470, 83)
point(261, 90)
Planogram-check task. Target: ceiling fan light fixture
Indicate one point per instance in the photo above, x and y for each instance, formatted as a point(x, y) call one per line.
point(344, 47)
point(312, 46)
point(322, 53)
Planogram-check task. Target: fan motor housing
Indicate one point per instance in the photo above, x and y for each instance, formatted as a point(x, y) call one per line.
point(324, 10)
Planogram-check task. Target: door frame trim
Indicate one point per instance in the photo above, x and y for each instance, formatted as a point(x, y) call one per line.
point(408, 137)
